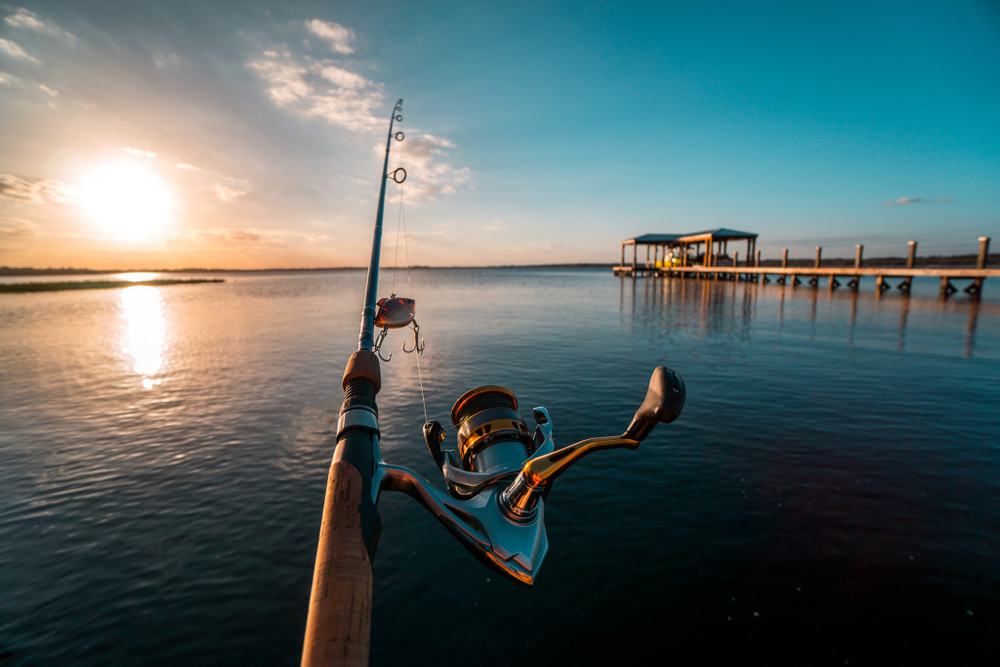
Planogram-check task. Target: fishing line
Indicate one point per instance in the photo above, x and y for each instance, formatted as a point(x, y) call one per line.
point(401, 223)
point(406, 242)
point(395, 257)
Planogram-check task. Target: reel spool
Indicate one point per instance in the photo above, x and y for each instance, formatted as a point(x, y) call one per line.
point(491, 432)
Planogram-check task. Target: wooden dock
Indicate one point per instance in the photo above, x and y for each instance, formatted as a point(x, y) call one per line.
point(795, 275)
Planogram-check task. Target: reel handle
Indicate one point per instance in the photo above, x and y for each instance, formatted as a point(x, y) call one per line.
point(663, 403)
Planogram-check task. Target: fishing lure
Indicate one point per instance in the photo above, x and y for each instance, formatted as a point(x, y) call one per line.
point(396, 313)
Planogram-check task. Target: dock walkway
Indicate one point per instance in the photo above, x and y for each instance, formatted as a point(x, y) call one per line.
point(795, 274)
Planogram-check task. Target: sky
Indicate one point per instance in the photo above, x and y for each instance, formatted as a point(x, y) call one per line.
point(250, 135)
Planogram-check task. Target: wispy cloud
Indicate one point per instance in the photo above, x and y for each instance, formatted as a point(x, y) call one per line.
point(28, 20)
point(428, 175)
point(16, 228)
point(227, 193)
point(139, 152)
point(38, 191)
point(8, 79)
point(337, 36)
point(252, 236)
point(333, 91)
point(320, 89)
point(167, 60)
point(906, 201)
point(14, 50)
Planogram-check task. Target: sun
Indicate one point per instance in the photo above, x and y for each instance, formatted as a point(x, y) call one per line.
point(127, 200)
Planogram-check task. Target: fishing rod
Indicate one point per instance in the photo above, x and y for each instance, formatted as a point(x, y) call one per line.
point(497, 477)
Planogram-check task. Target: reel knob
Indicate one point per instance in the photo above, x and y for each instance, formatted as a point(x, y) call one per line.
point(663, 403)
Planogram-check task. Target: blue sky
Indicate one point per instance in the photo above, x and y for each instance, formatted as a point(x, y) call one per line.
point(247, 134)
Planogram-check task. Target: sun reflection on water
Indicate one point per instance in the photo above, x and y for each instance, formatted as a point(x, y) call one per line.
point(142, 308)
point(137, 276)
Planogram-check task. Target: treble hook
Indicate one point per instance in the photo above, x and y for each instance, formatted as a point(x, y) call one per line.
point(418, 346)
point(378, 344)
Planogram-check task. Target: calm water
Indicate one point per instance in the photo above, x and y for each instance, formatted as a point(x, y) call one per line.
point(830, 493)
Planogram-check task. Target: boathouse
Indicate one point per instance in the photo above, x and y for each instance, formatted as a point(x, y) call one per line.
point(702, 248)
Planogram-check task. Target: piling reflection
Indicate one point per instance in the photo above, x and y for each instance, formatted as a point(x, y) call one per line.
point(144, 339)
point(904, 313)
point(894, 320)
point(970, 327)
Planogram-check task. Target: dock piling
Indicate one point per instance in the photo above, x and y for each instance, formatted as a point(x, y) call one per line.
point(911, 260)
point(814, 281)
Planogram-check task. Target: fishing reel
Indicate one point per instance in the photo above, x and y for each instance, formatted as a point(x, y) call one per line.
point(500, 471)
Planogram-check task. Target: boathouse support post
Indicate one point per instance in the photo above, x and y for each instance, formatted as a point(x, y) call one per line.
point(623, 254)
point(736, 266)
point(635, 249)
point(784, 258)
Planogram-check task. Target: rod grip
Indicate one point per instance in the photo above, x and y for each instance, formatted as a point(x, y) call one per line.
point(338, 629)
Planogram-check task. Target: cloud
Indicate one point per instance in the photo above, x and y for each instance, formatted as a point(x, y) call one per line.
point(906, 201)
point(166, 60)
point(427, 174)
point(139, 152)
point(252, 236)
point(338, 37)
point(15, 228)
point(343, 78)
point(320, 89)
point(36, 191)
point(226, 193)
point(189, 167)
point(329, 90)
point(28, 20)
point(14, 50)
point(8, 79)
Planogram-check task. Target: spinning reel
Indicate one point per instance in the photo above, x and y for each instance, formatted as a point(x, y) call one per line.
point(500, 472)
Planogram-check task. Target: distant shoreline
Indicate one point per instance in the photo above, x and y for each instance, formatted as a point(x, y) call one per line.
point(933, 261)
point(22, 288)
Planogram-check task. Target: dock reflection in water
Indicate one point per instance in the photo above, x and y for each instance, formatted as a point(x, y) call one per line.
point(662, 296)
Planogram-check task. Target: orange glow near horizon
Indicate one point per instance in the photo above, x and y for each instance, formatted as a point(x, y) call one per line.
point(127, 201)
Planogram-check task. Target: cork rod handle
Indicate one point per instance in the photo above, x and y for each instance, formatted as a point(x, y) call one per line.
point(338, 628)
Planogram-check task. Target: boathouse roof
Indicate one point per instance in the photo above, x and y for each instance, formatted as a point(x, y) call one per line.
point(720, 234)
